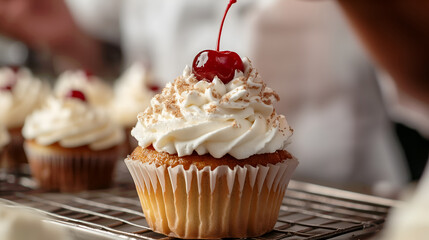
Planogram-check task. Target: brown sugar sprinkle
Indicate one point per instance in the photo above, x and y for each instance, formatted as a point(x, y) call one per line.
point(239, 80)
point(268, 121)
point(276, 96)
point(271, 94)
point(236, 81)
point(212, 109)
point(171, 106)
point(149, 111)
point(253, 87)
point(159, 97)
point(216, 95)
point(275, 124)
point(167, 102)
point(157, 110)
point(266, 101)
point(182, 85)
point(142, 115)
point(236, 124)
point(224, 99)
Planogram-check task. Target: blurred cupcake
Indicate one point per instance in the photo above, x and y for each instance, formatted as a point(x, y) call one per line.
point(4, 140)
point(71, 145)
point(97, 92)
point(132, 94)
point(211, 161)
point(20, 94)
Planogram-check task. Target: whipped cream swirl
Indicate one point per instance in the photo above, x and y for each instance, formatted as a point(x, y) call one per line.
point(237, 118)
point(132, 95)
point(98, 92)
point(72, 123)
point(25, 94)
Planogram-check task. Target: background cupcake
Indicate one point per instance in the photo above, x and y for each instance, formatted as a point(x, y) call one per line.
point(20, 94)
point(4, 140)
point(71, 145)
point(132, 94)
point(211, 161)
point(97, 91)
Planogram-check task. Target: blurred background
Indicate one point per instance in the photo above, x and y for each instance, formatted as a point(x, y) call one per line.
point(352, 130)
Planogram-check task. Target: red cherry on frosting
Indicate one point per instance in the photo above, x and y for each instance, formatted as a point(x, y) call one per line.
point(209, 63)
point(76, 94)
point(7, 87)
point(223, 64)
point(154, 87)
point(14, 68)
point(88, 74)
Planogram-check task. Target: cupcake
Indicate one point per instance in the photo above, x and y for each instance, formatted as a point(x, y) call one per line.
point(72, 145)
point(132, 94)
point(20, 94)
point(211, 161)
point(97, 92)
point(4, 140)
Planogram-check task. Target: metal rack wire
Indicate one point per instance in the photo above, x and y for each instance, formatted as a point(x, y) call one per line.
point(308, 212)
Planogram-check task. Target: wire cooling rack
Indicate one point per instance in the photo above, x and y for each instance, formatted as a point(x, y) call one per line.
point(308, 211)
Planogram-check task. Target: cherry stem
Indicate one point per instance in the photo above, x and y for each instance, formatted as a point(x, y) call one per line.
point(223, 20)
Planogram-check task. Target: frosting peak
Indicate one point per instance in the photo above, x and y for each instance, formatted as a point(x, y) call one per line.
point(237, 118)
point(132, 95)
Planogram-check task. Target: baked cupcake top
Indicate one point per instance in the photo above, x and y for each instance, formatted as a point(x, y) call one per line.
point(71, 122)
point(4, 137)
point(98, 92)
point(237, 118)
point(20, 94)
point(132, 95)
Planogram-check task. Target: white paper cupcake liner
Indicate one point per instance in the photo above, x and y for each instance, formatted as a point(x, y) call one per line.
point(219, 203)
point(72, 171)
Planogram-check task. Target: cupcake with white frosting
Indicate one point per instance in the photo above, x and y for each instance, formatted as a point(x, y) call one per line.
point(211, 161)
point(132, 94)
point(97, 91)
point(20, 94)
point(72, 145)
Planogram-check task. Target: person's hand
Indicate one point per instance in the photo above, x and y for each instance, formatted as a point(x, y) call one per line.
point(397, 34)
point(49, 24)
point(36, 22)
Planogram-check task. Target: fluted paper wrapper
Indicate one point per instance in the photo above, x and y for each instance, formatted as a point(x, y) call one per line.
point(72, 171)
point(14, 155)
point(219, 203)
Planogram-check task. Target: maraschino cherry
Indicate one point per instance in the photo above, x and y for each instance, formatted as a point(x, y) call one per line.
point(14, 68)
point(88, 74)
point(154, 87)
point(7, 87)
point(76, 94)
point(210, 63)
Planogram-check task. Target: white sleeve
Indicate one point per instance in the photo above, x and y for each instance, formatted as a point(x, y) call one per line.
point(99, 18)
